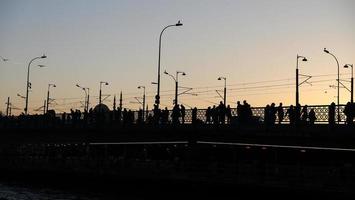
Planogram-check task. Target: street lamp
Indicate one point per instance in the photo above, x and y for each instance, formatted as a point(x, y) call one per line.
point(326, 51)
point(225, 89)
point(28, 84)
point(351, 82)
point(304, 59)
point(87, 95)
point(176, 79)
point(157, 97)
point(101, 82)
point(139, 87)
point(49, 85)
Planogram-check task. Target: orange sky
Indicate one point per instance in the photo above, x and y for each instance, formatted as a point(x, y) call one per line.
point(252, 43)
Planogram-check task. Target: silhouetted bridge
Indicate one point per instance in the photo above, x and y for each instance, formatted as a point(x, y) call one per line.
point(319, 157)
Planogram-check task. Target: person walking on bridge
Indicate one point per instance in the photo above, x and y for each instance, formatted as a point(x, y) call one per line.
point(280, 113)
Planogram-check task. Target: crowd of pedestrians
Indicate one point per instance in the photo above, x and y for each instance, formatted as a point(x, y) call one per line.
point(217, 115)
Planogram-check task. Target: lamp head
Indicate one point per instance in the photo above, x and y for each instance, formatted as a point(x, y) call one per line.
point(154, 83)
point(325, 50)
point(183, 73)
point(348, 65)
point(77, 85)
point(106, 83)
point(219, 78)
point(42, 66)
point(178, 24)
point(44, 56)
point(165, 72)
point(304, 59)
point(54, 85)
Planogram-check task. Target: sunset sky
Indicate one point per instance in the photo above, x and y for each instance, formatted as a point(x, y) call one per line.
point(252, 43)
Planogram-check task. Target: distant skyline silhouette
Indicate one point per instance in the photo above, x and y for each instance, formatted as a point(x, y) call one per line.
point(252, 43)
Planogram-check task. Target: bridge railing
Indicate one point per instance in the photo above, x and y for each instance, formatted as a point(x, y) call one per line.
point(321, 112)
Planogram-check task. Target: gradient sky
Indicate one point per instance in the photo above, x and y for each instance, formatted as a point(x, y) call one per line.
point(252, 43)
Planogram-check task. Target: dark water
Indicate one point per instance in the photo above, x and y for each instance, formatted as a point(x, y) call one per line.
point(16, 192)
point(142, 190)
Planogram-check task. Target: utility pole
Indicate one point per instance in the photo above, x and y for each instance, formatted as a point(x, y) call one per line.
point(351, 82)
point(143, 110)
point(176, 79)
point(8, 106)
point(225, 89)
point(44, 107)
point(304, 59)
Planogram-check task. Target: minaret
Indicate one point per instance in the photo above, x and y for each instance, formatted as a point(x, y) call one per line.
point(121, 100)
point(114, 103)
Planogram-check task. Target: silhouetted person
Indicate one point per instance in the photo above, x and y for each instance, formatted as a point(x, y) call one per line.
point(280, 113)
point(140, 116)
point(331, 114)
point(349, 113)
point(273, 111)
point(124, 117)
point(297, 111)
point(240, 112)
point(312, 116)
point(175, 114)
point(165, 116)
point(182, 109)
point(247, 112)
point(214, 113)
point(150, 119)
point(229, 114)
point(194, 115)
point(131, 117)
point(208, 115)
point(156, 113)
point(291, 114)
point(304, 114)
point(221, 112)
point(267, 115)
point(64, 118)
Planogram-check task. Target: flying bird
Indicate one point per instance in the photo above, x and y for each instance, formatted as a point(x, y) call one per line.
point(4, 59)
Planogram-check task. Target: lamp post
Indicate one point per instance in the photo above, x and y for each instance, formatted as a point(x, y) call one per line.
point(157, 97)
point(139, 87)
point(225, 89)
point(28, 84)
point(351, 82)
point(304, 59)
point(101, 82)
point(176, 79)
point(338, 80)
point(49, 85)
point(87, 93)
